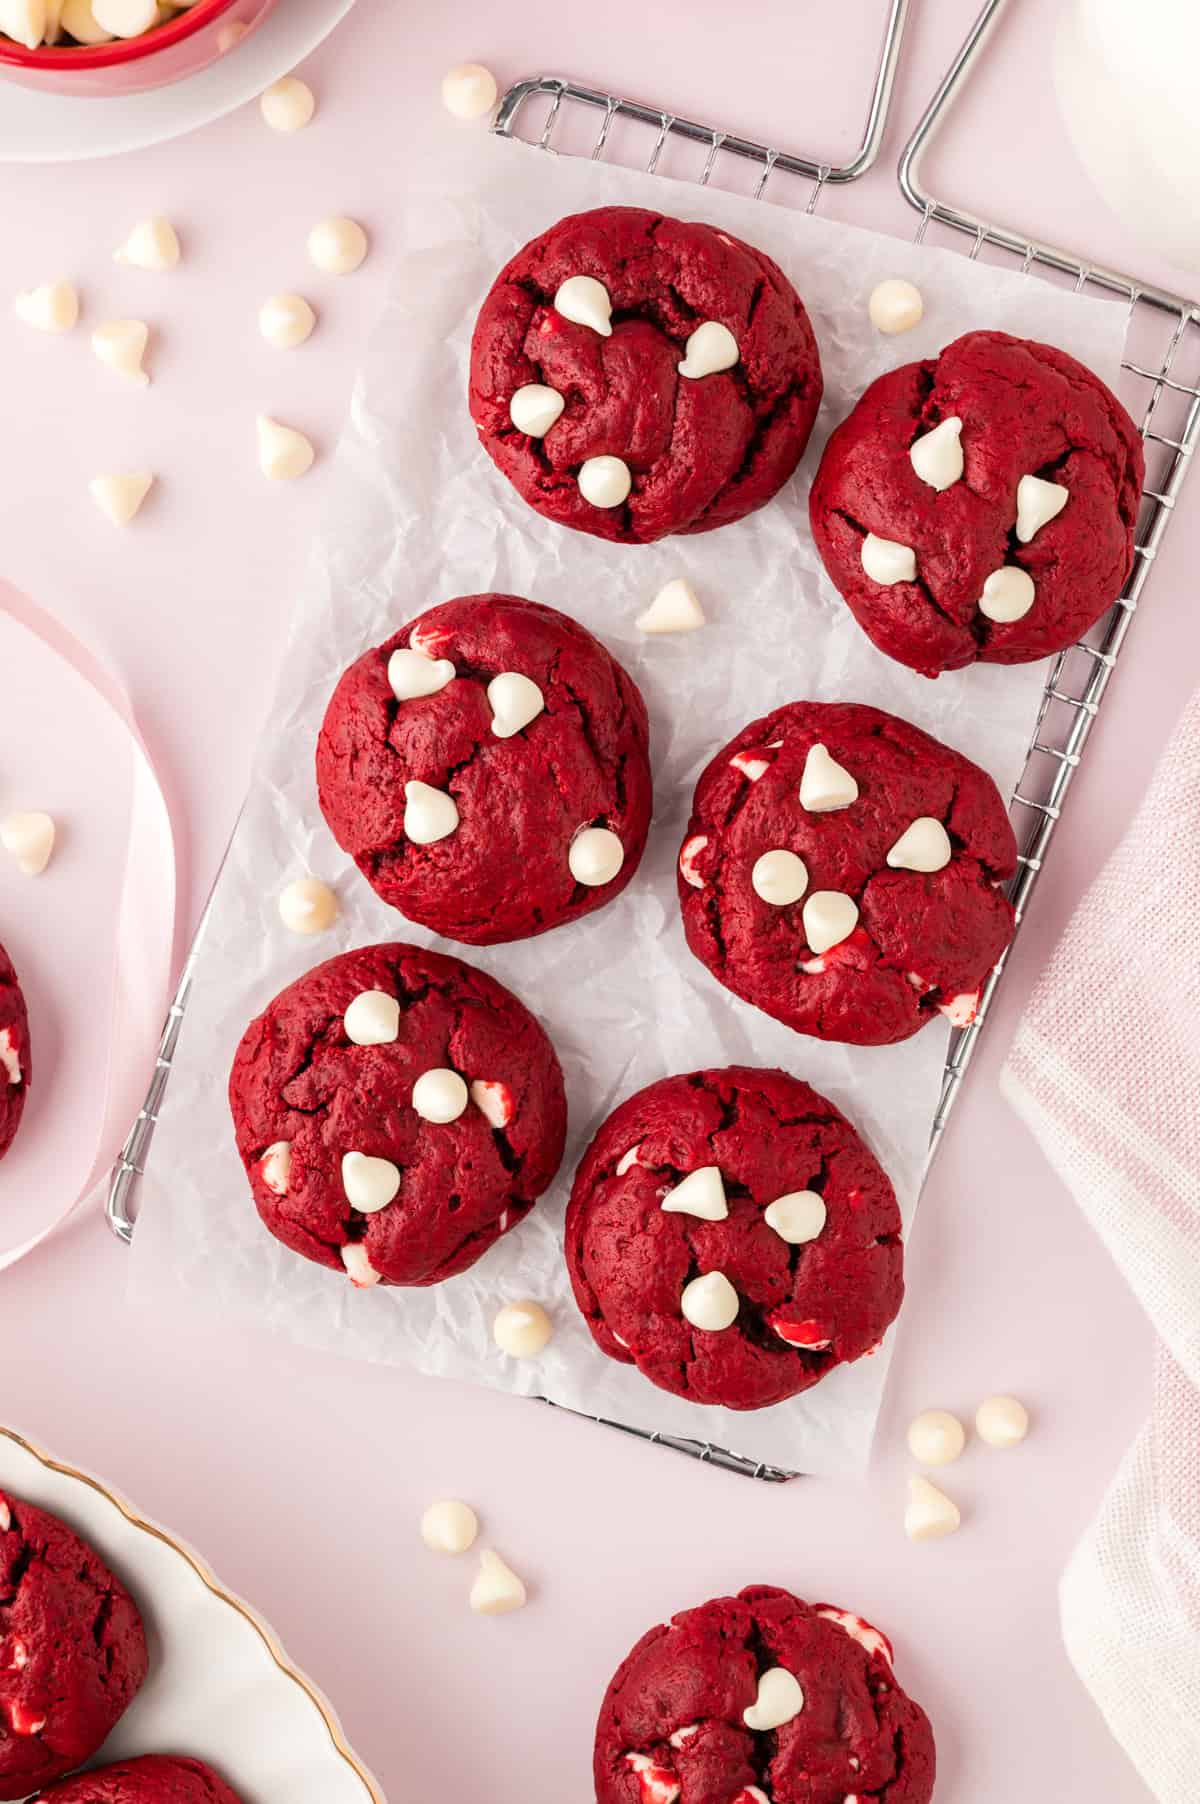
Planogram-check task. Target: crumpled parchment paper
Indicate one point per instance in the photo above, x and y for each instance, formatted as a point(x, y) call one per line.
point(418, 514)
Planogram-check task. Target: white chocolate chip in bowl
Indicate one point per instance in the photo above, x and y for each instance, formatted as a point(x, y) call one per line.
point(440, 1096)
point(701, 1193)
point(711, 348)
point(429, 814)
point(1008, 594)
point(120, 496)
point(779, 877)
point(359, 1270)
point(936, 1437)
point(28, 835)
point(367, 1182)
point(937, 456)
point(307, 906)
point(522, 1330)
point(710, 1303)
point(515, 701)
point(895, 306)
point(886, 561)
point(535, 408)
point(675, 609)
point(286, 320)
point(469, 92)
point(1038, 502)
point(372, 1019)
point(275, 1167)
point(283, 452)
point(585, 302)
point(780, 1699)
point(54, 307)
point(595, 857)
point(494, 1101)
point(121, 344)
point(79, 21)
point(825, 785)
point(1002, 1421)
point(411, 674)
point(924, 846)
point(338, 246)
point(829, 918)
point(497, 1589)
point(449, 1526)
point(288, 104)
point(604, 481)
point(152, 244)
point(125, 18)
point(930, 1515)
point(797, 1217)
point(24, 21)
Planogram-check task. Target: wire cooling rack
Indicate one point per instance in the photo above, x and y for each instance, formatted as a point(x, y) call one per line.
point(1163, 366)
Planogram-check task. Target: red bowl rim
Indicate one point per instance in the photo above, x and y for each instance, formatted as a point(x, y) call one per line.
point(121, 50)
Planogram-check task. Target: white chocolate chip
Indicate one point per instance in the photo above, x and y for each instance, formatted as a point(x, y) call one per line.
point(675, 609)
point(829, 918)
point(710, 1302)
point(585, 302)
point(29, 836)
point(689, 853)
point(429, 814)
point(682, 1736)
point(469, 92)
point(873, 1641)
point(930, 1513)
point(1038, 502)
point(797, 1217)
point(125, 18)
point(152, 244)
point(701, 1193)
point(710, 348)
point(5, 1517)
point(121, 496)
point(449, 1527)
point(595, 856)
point(372, 1019)
point(338, 246)
point(535, 408)
point(497, 1589)
point(925, 846)
point(53, 31)
point(825, 785)
point(780, 1698)
point(52, 308)
point(1008, 594)
point(308, 906)
point(286, 320)
point(895, 306)
point(283, 453)
point(412, 674)
point(275, 1167)
point(440, 1096)
point(936, 1437)
point(604, 481)
point(359, 1270)
point(779, 877)
point(886, 561)
point(288, 104)
point(515, 701)
point(10, 1058)
point(121, 344)
point(79, 22)
point(493, 1100)
point(1002, 1421)
point(656, 1784)
point(628, 1160)
point(24, 21)
point(522, 1330)
point(369, 1183)
point(937, 456)
point(751, 764)
point(961, 1010)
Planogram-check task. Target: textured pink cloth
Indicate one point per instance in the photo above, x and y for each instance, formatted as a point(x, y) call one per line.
point(1105, 1068)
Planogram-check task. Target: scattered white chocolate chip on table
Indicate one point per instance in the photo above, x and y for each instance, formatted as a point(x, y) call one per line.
point(152, 244)
point(930, 1514)
point(797, 1217)
point(307, 906)
point(595, 856)
point(585, 302)
point(429, 814)
point(369, 1183)
point(28, 836)
point(1001, 1421)
point(895, 306)
point(825, 785)
point(711, 348)
point(120, 496)
point(411, 674)
point(924, 846)
point(121, 344)
point(675, 609)
point(701, 1193)
point(338, 246)
point(288, 104)
point(936, 1437)
point(534, 408)
point(779, 877)
point(1008, 594)
point(286, 320)
point(710, 1302)
point(449, 1526)
point(440, 1096)
point(283, 453)
point(469, 92)
point(604, 481)
point(515, 701)
point(886, 561)
point(497, 1589)
point(829, 918)
point(54, 307)
point(522, 1330)
point(1038, 502)
point(780, 1699)
point(937, 456)
point(372, 1019)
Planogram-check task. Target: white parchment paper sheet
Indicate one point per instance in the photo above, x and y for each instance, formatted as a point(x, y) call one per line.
point(419, 515)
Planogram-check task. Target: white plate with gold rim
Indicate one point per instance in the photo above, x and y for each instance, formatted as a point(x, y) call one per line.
point(220, 1687)
point(54, 128)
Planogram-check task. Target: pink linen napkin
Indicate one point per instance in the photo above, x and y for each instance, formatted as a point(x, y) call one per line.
point(1112, 1092)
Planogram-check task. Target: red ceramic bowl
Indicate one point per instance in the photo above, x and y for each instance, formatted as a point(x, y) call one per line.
point(205, 32)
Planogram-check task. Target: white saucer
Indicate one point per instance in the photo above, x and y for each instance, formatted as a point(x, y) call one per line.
point(53, 128)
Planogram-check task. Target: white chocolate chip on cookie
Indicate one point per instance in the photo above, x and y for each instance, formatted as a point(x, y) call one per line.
point(595, 856)
point(429, 814)
point(369, 1183)
point(372, 1019)
point(440, 1096)
point(924, 846)
point(711, 348)
point(886, 561)
point(779, 877)
point(825, 785)
point(585, 302)
point(829, 918)
point(515, 701)
point(780, 1699)
point(701, 1193)
point(534, 408)
point(710, 1302)
point(937, 456)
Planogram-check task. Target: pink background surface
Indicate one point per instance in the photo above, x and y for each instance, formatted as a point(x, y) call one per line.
point(299, 1479)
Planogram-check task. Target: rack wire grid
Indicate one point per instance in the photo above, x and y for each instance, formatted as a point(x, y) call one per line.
point(1164, 332)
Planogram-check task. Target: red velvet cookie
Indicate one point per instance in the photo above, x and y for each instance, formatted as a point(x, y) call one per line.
point(487, 770)
point(151, 1779)
point(72, 1649)
point(15, 1067)
point(634, 375)
point(731, 1236)
point(396, 1111)
point(762, 1699)
point(841, 872)
point(980, 505)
